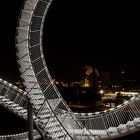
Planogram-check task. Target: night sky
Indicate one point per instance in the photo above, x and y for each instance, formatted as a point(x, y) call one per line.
point(100, 33)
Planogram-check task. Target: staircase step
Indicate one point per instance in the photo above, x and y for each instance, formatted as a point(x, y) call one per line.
point(9, 103)
point(1, 97)
point(122, 127)
point(136, 120)
point(59, 135)
point(50, 124)
point(130, 124)
point(18, 108)
point(15, 105)
point(5, 100)
point(112, 130)
point(23, 111)
point(54, 129)
point(41, 116)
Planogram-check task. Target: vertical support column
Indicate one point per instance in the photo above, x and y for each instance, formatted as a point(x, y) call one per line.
point(30, 121)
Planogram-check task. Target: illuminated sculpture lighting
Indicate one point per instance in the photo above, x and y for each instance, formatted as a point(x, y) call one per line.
point(53, 115)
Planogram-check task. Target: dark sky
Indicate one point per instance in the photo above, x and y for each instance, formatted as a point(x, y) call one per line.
point(9, 11)
point(100, 33)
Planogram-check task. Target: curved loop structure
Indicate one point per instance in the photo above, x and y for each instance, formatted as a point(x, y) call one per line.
point(115, 122)
point(109, 124)
point(53, 113)
point(43, 94)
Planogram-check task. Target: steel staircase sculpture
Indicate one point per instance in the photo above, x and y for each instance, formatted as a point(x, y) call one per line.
point(14, 99)
point(51, 113)
point(40, 88)
point(108, 124)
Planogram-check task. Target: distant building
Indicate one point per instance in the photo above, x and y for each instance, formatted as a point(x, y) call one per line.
point(110, 96)
point(129, 94)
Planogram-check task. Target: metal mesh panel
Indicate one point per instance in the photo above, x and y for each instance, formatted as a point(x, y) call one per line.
point(4, 90)
point(43, 79)
point(35, 52)
point(107, 121)
point(36, 23)
point(50, 93)
point(34, 38)
point(38, 65)
point(41, 7)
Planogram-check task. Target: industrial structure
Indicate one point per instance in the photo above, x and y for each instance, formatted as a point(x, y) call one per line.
point(51, 115)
